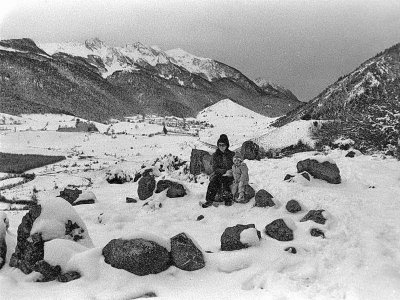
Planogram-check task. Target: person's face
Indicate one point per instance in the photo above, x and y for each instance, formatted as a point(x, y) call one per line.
point(222, 147)
point(237, 161)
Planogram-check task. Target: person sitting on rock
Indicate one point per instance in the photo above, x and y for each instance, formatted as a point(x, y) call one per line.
point(240, 174)
point(221, 177)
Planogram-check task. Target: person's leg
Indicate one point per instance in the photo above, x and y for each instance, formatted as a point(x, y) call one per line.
point(226, 184)
point(213, 188)
point(241, 191)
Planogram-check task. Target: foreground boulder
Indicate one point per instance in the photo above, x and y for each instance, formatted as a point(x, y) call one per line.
point(314, 215)
point(250, 150)
point(264, 199)
point(175, 189)
point(230, 239)
point(146, 186)
point(185, 254)
point(138, 256)
point(278, 230)
point(200, 162)
point(54, 218)
point(326, 170)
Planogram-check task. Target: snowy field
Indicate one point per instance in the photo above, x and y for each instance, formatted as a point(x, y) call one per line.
point(359, 258)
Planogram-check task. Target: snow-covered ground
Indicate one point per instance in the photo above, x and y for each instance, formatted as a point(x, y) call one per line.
point(358, 259)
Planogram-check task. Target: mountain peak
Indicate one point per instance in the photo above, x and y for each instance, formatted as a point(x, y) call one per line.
point(94, 43)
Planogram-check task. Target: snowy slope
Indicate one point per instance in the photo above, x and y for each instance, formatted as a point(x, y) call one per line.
point(238, 122)
point(359, 259)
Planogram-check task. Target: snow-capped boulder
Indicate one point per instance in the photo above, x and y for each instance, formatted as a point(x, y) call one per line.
point(117, 176)
point(315, 215)
point(279, 230)
point(320, 168)
point(175, 189)
point(51, 219)
point(186, 255)
point(138, 256)
point(293, 206)
point(264, 199)
point(250, 237)
point(250, 150)
point(87, 197)
point(146, 186)
point(77, 196)
point(230, 239)
point(200, 161)
point(4, 224)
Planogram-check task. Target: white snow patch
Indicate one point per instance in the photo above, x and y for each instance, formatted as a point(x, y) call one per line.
point(249, 237)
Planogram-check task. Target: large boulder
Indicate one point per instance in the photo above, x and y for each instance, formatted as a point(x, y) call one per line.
point(230, 239)
point(138, 256)
point(264, 199)
point(53, 219)
point(175, 189)
point(146, 186)
point(185, 254)
point(250, 150)
point(325, 170)
point(200, 162)
point(279, 230)
point(315, 215)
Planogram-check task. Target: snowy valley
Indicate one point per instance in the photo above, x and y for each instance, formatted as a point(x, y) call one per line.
point(356, 254)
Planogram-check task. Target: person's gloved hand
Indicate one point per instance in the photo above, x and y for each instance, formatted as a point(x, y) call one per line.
point(228, 173)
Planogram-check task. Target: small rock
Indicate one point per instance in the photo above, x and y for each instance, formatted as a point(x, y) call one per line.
point(306, 176)
point(201, 217)
point(350, 154)
point(279, 230)
point(230, 239)
point(317, 232)
point(185, 254)
point(314, 215)
point(264, 199)
point(131, 200)
point(293, 206)
point(291, 250)
point(69, 276)
point(288, 177)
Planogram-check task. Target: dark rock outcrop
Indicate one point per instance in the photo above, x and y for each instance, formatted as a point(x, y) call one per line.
point(138, 256)
point(293, 206)
point(230, 239)
point(29, 249)
point(146, 186)
point(69, 276)
point(185, 255)
point(264, 199)
point(314, 215)
point(288, 177)
point(70, 194)
point(200, 161)
point(279, 230)
point(317, 232)
point(175, 189)
point(48, 271)
point(130, 200)
point(326, 171)
point(250, 150)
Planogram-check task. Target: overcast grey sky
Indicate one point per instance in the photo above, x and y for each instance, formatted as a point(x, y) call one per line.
point(302, 45)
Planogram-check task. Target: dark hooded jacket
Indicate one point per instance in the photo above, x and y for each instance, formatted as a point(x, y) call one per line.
point(222, 161)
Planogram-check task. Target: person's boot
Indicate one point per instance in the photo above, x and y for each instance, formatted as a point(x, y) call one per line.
point(207, 204)
point(240, 199)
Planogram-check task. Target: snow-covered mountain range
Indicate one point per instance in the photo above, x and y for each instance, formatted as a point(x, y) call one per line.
point(95, 81)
